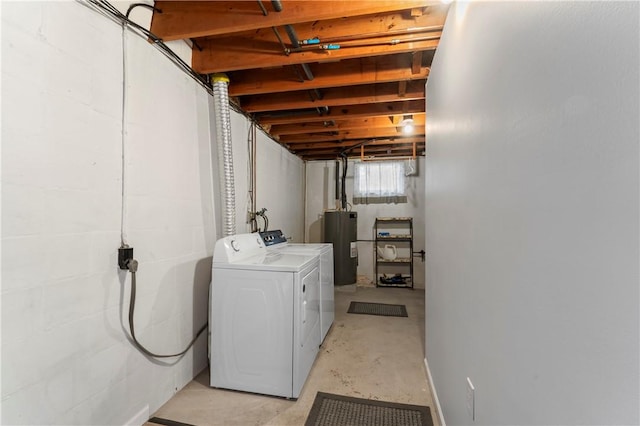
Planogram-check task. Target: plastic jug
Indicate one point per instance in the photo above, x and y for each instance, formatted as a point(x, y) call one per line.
point(388, 252)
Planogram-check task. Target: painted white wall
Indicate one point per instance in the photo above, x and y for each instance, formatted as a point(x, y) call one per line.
point(532, 213)
point(320, 196)
point(64, 347)
point(279, 181)
point(280, 187)
point(64, 302)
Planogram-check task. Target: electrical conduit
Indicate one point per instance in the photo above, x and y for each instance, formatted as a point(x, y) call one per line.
point(225, 152)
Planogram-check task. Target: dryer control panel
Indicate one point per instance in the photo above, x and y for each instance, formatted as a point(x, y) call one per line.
point(237, 247)
point(271, 238)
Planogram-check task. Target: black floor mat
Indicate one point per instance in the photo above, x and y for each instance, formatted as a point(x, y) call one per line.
point(377, 309)
point(332, 410)
point(166, 422)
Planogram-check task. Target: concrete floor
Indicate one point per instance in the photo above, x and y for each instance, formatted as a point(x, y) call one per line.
point(363, 356)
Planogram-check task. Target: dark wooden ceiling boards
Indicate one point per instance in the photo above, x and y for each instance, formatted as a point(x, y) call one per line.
point(318, 100)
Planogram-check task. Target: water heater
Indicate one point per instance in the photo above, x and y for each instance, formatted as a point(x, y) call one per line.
point(340, 229)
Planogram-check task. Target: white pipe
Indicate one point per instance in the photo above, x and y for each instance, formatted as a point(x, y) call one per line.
point(225, 152)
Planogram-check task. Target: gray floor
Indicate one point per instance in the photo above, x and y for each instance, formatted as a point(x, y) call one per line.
point(363, 356)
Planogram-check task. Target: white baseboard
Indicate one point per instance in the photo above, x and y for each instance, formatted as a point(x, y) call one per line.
point(434, 394)
point(140, 418)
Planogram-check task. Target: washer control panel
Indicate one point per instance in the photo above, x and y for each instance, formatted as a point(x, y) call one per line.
point(271, 238)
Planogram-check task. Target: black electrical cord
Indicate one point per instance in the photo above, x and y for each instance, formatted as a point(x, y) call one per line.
point(110, 11)
point(114, 13)
point(133, 267)
point(148, 6)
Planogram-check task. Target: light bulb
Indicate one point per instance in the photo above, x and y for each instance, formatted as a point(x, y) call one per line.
point(407, 129)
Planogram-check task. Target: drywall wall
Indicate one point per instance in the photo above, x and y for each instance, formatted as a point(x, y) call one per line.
point(64, 302)
point(320, 196)
point(532, 207)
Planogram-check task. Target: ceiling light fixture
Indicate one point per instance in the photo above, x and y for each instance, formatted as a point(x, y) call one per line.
point(407, 124)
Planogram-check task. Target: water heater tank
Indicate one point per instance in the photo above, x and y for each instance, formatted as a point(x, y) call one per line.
point(340, 229)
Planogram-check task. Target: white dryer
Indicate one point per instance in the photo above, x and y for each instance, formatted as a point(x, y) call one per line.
point(264, 317)
point(275, 240)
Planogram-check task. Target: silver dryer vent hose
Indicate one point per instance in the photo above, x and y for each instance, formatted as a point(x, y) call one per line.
point(225, 153)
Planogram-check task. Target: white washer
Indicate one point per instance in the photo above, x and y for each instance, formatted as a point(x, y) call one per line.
point(264, 317)
point(275, 240)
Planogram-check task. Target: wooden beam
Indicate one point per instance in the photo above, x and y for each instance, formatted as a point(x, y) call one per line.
point(346, 135)
point(393, 23)
point(416, 63)
point(325, 145)
point(341, 125)
point(386, 92)
point(349, 111)
point(378, 69)
point(405, 150)
point(191, 19)
point(402, 88)
point(351, 154)
point(232, 54)
point(389, 150)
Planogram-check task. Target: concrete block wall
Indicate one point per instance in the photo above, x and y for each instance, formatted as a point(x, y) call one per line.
point(280, 188)
point(66, 358)
point(64, 346)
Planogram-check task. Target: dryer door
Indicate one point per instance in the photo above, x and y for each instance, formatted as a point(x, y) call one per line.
point(327, 304)
point(251, 332)
point(306, 327)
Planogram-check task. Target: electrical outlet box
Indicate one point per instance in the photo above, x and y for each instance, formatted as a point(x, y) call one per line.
point(471, 400)
point(125, 255)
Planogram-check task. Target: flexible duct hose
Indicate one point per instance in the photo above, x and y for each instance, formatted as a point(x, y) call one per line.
point(225, 153)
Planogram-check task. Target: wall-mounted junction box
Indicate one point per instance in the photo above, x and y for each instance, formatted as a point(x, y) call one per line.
point(125, 255)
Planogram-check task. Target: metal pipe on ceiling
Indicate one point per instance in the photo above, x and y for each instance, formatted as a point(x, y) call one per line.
point(284, 48)
point(277, 5)
point(264, 9)
point(387, 33)
point(357, 43)
point(291, 32)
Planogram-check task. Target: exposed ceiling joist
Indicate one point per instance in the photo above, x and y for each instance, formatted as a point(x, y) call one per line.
point(237, 54)
point(190, 19)
point(345, 135)
point(352, 143)
point(322, 77)
point(355, 27)
point(379, 69)
point(372, 93)
point(347, 111)
point(341, 125)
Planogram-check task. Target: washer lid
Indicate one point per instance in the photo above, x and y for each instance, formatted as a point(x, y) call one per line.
point(296, 248)
point(310, 246)
point(277, 240)
point(271, 261)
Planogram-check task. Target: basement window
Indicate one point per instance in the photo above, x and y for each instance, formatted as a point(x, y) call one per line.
point(379, 182)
